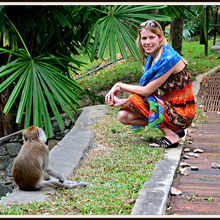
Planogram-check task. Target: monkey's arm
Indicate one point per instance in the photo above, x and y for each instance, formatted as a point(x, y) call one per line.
point(55, 174)
point(48, 169)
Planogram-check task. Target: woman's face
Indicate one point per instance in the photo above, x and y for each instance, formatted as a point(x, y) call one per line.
point(150, 42)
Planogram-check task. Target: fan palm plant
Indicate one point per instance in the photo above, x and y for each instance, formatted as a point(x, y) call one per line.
point(40, 85)
point(39, 82)
point(117, 26)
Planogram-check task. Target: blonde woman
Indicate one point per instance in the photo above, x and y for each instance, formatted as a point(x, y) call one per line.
point(164, 96)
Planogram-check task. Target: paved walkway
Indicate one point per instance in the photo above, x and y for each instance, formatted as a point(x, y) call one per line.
point(199, 182)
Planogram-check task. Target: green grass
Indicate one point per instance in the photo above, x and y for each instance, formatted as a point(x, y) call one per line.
point(116, 171)
point(198, 63)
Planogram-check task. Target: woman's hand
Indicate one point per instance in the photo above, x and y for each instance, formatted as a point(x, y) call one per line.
point(109, 98)
point(118, 102)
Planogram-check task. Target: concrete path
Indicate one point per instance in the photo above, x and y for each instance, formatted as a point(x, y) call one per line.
point(200, 187)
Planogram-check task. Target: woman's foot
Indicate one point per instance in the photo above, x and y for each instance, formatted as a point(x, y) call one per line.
point(180, 133)
point(170, 139)
point(164, 142)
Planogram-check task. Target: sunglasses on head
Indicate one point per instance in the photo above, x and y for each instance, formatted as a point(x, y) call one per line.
point(150, 23)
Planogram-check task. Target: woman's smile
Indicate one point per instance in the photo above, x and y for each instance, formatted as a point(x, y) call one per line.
point(150, 42)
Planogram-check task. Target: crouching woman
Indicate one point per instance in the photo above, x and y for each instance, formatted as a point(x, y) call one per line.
point(164, 97)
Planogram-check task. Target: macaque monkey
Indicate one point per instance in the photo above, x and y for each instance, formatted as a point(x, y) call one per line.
point(31, 169)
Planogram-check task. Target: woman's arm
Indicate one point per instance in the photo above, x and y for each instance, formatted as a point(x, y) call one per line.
point(147, 90)
point(111, 97)
point(152, 86)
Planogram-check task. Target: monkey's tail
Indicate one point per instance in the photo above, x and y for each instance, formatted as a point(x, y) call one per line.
point(56, 183)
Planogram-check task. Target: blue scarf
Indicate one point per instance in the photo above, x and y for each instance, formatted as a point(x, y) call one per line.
point(169, 58)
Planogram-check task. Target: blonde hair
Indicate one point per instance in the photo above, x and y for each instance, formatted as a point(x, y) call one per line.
point(154, 29)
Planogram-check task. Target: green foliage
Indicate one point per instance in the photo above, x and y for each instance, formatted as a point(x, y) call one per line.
point(117, 26)
point(40, 75)
point(57, 30)
point(39, 81)
point(194, 26)
point(190, 28)
point(175, 11)
point(61, 30)
point(210, 199)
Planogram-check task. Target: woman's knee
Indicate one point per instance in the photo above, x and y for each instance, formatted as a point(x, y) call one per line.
point(123, 117)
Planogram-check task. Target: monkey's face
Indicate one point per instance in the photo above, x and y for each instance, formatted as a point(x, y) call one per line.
point(41, 135)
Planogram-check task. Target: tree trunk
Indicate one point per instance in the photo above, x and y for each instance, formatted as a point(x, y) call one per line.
point(216, 20)
point(5, 126)
point(7, 122)
point(176, 33)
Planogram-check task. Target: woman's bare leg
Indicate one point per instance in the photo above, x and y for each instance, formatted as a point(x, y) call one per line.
point(128, 117)
point(171, 135)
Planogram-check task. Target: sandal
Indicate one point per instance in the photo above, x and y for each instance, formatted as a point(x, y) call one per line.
point(180, 133)
point(164, 142)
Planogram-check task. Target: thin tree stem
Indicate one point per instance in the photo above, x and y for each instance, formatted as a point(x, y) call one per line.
point(18, 35)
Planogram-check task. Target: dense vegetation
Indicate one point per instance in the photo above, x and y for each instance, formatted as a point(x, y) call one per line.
point(119, 164)
point(38, 44)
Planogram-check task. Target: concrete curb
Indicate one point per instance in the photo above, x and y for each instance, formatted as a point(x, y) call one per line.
point(153, 196)
point(66, 156)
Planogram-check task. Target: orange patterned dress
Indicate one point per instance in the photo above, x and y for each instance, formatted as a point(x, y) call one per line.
point(175, 96)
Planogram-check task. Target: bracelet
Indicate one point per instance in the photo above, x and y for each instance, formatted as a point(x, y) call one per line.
point(118, 85)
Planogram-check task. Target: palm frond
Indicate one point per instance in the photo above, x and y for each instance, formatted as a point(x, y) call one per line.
point(117, 27)
point(39, 82)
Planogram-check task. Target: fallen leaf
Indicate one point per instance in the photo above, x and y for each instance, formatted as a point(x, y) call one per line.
point(189, 130)
point(175, 191)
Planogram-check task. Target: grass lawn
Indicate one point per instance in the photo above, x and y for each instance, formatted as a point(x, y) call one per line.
point(198, 63)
